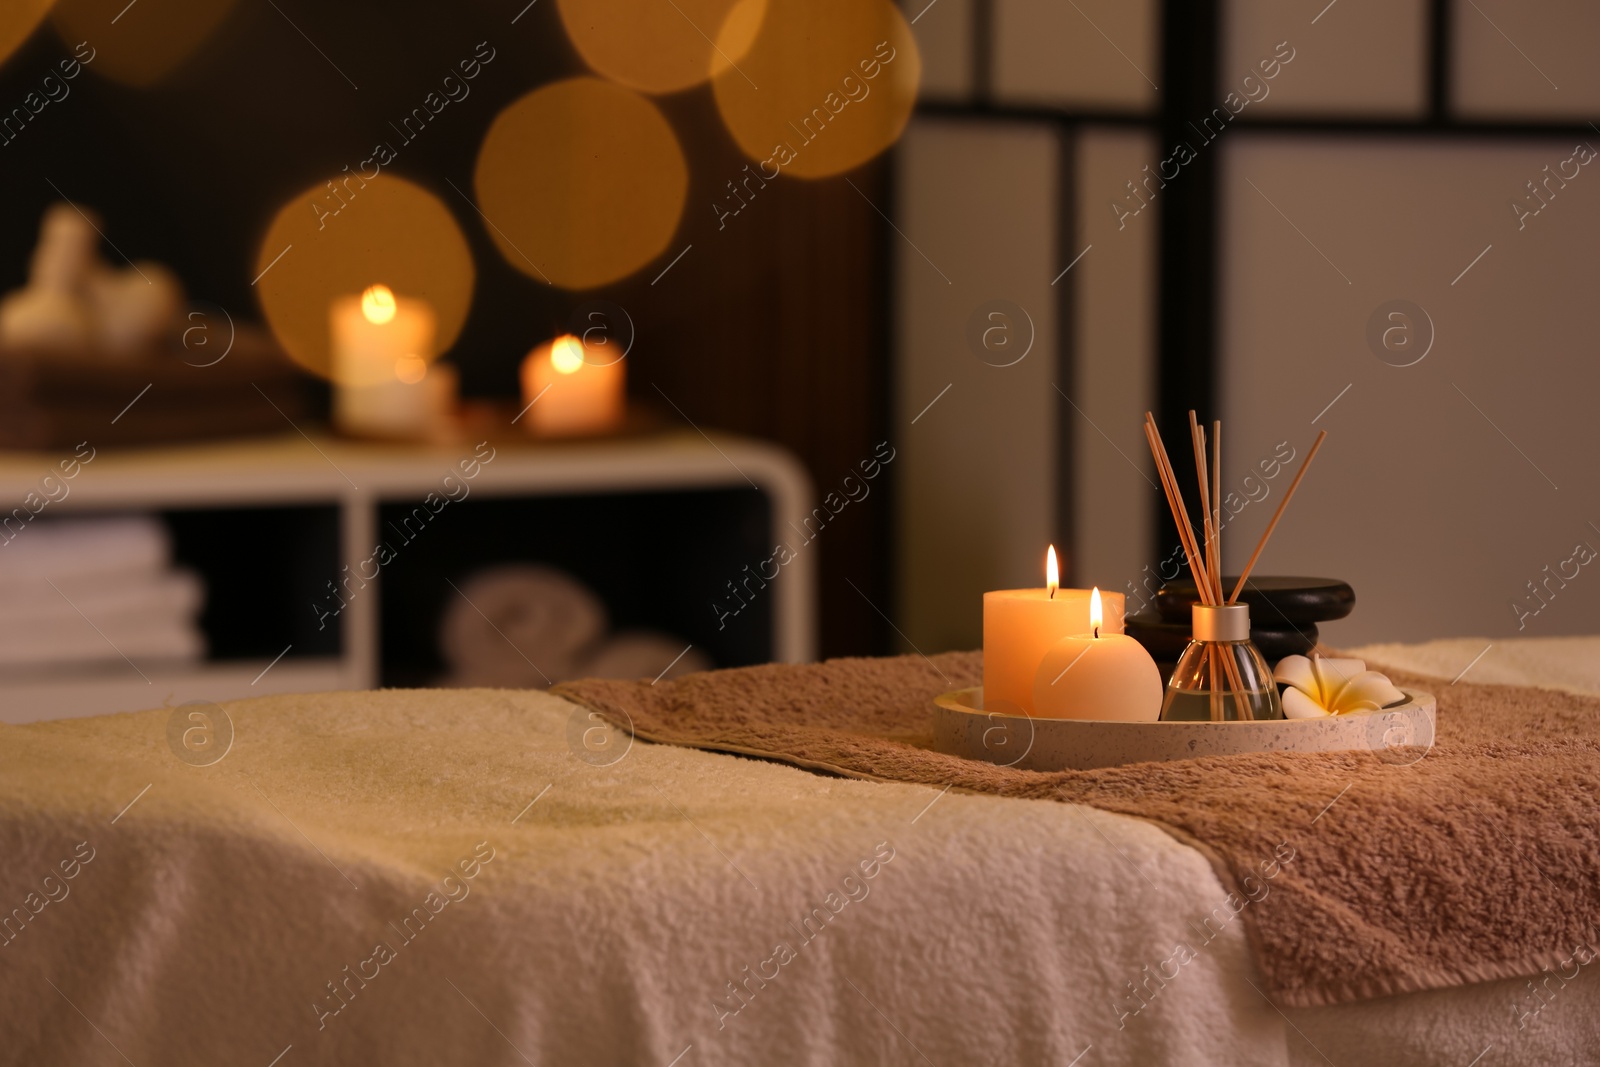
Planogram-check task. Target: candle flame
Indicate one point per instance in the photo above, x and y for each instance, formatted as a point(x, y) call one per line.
point(1095, 611)
point(566, 354)
point(1052, 572)
point(377, 304)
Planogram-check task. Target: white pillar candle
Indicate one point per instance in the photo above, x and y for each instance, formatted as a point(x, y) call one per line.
point(1021, 625)
point(1097, 675)
point(383, 385)
point(570, 389)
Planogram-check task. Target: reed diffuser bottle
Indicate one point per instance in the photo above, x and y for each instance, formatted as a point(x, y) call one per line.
point(1221, 676)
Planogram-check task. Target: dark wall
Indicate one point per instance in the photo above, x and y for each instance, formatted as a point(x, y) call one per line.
point(774, 325)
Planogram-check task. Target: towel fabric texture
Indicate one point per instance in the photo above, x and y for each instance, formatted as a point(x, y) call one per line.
point(1413, 870)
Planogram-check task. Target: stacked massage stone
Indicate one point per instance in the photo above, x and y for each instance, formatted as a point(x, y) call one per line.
point(1284, 613)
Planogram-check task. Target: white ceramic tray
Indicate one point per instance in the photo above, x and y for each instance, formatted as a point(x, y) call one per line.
point(1399, 734)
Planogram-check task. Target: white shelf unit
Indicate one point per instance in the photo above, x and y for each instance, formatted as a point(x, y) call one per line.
point(356, 478)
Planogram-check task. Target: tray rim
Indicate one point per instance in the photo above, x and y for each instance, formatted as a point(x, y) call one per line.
point(950, 700)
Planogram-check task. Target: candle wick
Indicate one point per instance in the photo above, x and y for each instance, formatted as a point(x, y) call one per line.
point(1097, 631)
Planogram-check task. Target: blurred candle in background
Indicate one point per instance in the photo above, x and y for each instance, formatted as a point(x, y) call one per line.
point(383, 384)
point(568, 389)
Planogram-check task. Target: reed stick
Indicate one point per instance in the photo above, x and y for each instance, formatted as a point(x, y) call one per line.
point(1197, 439)
point(1216, 496)
point(1245, 711)
point(1169, 483)
point(1244, 575)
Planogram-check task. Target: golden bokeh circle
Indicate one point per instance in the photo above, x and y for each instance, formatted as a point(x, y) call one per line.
point(388, 231)
point(582, 183)
point(656, 47)
point(18, 20)
point(142, 43)
point(825, 86)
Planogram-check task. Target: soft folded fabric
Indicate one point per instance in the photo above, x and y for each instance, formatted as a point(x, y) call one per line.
point(1479, 859)
point(166, 595)
point(65, 548)
point(61, 642)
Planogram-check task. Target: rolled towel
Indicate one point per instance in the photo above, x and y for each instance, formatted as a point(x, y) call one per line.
point(643, 654)
point(171, 596)
point(34, 549)
point(519, 626)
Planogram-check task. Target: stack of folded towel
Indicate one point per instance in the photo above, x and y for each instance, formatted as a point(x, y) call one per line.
point(80, 592)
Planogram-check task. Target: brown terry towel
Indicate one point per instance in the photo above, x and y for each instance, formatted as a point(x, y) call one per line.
point(1477, 860)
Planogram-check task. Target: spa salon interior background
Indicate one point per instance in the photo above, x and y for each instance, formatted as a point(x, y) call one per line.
point(1370, 217)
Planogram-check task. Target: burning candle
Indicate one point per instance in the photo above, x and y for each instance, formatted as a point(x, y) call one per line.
point(571, 389)
point(1095, 675)
point(1021, 625)
point(383, 385)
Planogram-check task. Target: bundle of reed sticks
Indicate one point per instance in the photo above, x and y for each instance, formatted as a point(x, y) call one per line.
point(1206, 567)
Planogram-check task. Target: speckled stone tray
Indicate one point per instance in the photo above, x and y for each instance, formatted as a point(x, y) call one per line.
point(1402, 733)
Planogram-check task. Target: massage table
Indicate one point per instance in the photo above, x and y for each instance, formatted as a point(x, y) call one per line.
point(468, 877)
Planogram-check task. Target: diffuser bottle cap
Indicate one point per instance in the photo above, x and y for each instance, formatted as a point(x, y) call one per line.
point(1221, 622)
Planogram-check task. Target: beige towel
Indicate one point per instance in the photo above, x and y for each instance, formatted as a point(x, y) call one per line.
point(1475, 861)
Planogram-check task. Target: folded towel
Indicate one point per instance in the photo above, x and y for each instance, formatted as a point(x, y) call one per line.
point(172, 596)
point(71, 548)
point(519, 626)
point(113, 639)
point(1392, 870)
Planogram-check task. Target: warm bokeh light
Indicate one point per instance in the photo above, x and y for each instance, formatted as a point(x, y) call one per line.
point(148, 40)
point(317, 250)
point(659, 47)
point(410, 369)
point(566, 354)
point(377, 304)
point(1052, 571)
point(584, 183)
point(825, 86)
point(18, 19)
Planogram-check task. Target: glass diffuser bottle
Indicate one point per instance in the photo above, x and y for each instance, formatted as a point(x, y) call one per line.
point(1221, 676)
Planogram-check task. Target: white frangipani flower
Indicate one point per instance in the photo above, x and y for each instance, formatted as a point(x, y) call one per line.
point(1321, 686)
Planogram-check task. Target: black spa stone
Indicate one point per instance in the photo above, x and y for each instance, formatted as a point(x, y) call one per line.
point(1276, 602)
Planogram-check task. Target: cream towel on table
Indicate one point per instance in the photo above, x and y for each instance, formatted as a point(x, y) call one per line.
point(617, 908)
point(620, 902)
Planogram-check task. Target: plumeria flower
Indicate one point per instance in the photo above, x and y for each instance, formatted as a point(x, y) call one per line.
point(1319, 687)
